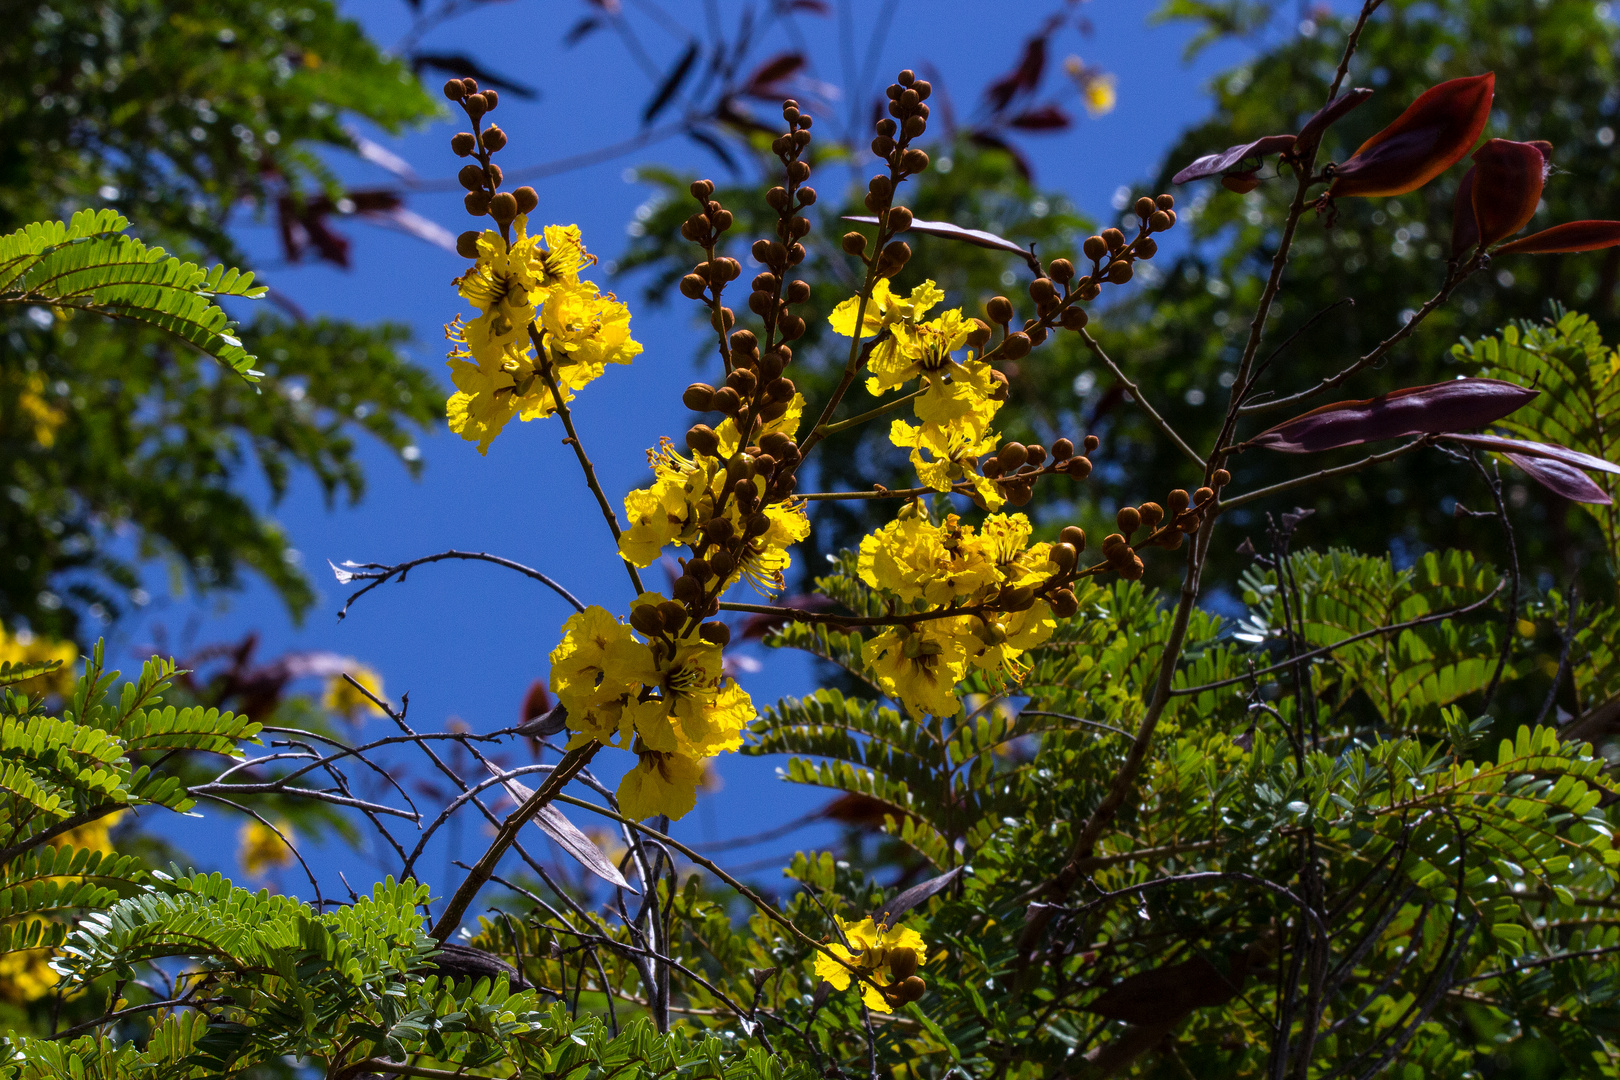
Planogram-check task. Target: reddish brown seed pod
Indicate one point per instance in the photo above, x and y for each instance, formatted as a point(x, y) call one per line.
point(699, 397)
point(1129, 519)
point(1428, 138)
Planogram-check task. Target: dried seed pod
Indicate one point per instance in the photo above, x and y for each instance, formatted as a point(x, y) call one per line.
point(1062, 450)
point(699, 397)
point(1074, 536)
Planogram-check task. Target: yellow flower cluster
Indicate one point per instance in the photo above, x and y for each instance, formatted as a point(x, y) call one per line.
point(26, 974)
point(927, 567)
point(666, 698)
point(886, 959)
point(342, 698)
point(521, 287)
point(683, 497)
point(261, 849)
point(25, 648)
point(959, 397)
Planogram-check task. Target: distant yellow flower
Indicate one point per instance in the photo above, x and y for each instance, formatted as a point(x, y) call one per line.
point(881, 955)
point(25, 648)
point(27, 975)
point(346, 701)
point(661, 783)
point(1099, 95)
point(260, 850)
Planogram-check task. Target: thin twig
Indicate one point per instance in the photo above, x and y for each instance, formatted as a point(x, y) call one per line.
point(379, 573)
point(1141, 401)
point(1323, 474)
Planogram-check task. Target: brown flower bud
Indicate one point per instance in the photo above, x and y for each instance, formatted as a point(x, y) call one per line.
point(467, 244)
point(791, 326)
point(1152, 513)
point(673, 614)
point(715, 633)
point(906, 77)
point(723, 320)
point(798, 291)
point(1129, 519)
point(1176, 502)
point(721, 219)
point(702, 439)
point(743, 341)
point(743, 381)
point(1063, 604)
point(477, 203)
point(914, 160)
point(1016, 345)
point(1113, 238)
point(1062, 450)
point(1120, 272)
point(692, 287)
point(701, 190)
point(463, 143)
point(1074, 318)
point(1061, 270)
point(493, 171)
point(494, 138)
point(491, 99)
point(1111, 544)
point(1088, 290)
point(899, 219)
point(727, 400)
point(1144, 207)
point(798, 171)
point(854, 243)
point(1092, 442)
point(1011, 455)
point(1172, 540)
point(902, 964)
point(1202, 496)
point(1036, 332)
point(1159, 221)
point(1134, 569)
point(1095, 247)
point(795, 254)
point(645, 618)
point(1000, 310)
point(1165, 202)
point(1221, 478)
point(1078, 467)
point(527, 199)
point(807, 196)
point(687, 589)
point(722, 563)
point(1074, 536)
point(1041, 290)
point(894, 258)
point(979, 335)
point(454, 90)
point(503, 207)
point(469, 86)
point(914, 127)
point(1065, 556)
point(771, 365)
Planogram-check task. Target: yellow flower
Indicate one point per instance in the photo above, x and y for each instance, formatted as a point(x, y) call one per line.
point(36, 412)
point(344, 699)
point(871, 953)
point(924, 349)
point(1099, 94)
point(1003, 642)
point(595, 665)
point(943, 456)
point(661, 783)
point(26, 975)
point(919, 665)
point(23, 647)
point(585, 331)
point(680, 499)
point(260, 850)
point(884, 311)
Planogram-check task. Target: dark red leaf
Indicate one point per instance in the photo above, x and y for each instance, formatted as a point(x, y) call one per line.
point(1330, 114)
point(1570, 236)
point(773, 71)
point(1022, 79)
point(1561, 479)
point(581, 30)
point(1551, 451)
point(537, 702)
point(1464, 229)
point(1428, 138)
point(466, 67)
point(1045, 118)
point(1508, 177)
point(1215, 164)
point(1458, 405)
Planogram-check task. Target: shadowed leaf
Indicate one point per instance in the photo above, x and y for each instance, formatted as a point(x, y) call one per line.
point(1570, 236)
point(917, 894)
point(671, 85)
point(1506, 188)
point(1045, 118)
point(1215, 164)
point(763, 82)
point(1458, 405)
point(1428, 138)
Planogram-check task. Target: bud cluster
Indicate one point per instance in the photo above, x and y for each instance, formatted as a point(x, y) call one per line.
point(1017, 467)
point(1167, 525)
point(709, 277)
point(907, 121)
point(773, 295)
point(482, 177)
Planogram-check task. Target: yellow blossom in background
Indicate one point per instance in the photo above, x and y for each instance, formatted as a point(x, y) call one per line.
point(23, 647)
point(880, 954)
point(260, 850)
point(346, 701)
point(1096, 86)
point(26, 975)
point(40, 417)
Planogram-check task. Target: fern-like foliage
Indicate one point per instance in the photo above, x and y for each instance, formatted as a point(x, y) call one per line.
point(89, 264)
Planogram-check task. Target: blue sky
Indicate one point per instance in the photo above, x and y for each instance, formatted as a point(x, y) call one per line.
point(466, 640)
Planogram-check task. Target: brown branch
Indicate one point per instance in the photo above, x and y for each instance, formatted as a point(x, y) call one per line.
point(1323, 474)
point(1136, 395)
